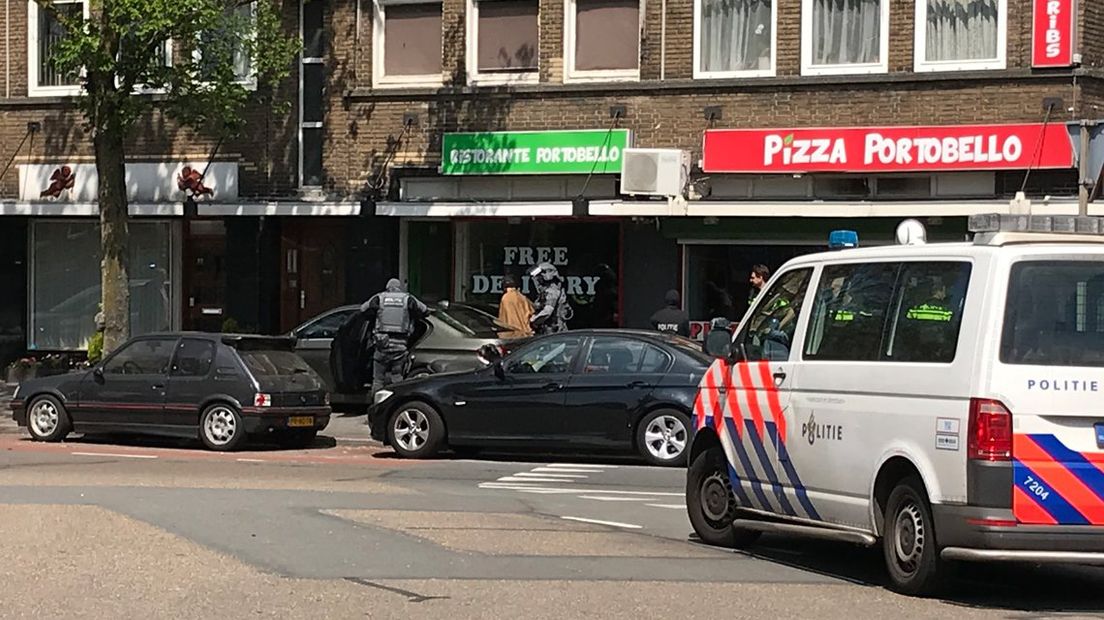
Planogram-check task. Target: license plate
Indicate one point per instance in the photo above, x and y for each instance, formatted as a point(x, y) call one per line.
point(301, 420)
point(1100, 435)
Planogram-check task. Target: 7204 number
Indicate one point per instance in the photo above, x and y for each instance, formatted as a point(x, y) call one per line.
point(1035, 487)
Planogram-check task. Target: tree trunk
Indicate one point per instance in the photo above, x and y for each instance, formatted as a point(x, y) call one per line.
point(114, 237)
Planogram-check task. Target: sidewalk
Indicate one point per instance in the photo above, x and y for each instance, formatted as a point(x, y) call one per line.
point(348, 429)
point(7, 425)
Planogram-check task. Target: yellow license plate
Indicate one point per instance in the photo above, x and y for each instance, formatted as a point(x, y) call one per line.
point(301, 420)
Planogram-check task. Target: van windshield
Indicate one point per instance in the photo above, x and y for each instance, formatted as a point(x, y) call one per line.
point(1055, 314)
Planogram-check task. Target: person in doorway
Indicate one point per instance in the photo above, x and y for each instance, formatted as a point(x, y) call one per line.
point(552, 310)
point(758, 279)
point(671, 317)
point(515, 310)
point(393, 314)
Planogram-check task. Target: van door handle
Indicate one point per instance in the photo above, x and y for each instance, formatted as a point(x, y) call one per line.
point(780, 375)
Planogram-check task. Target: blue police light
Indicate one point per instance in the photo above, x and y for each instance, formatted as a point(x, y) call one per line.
point(840, 239)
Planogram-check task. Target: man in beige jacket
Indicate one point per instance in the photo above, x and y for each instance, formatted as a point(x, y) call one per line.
point(514, 310)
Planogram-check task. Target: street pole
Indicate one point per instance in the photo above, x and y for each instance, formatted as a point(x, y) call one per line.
point(1083, 171)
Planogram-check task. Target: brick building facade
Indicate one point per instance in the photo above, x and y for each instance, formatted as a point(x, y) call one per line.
point(349, 186)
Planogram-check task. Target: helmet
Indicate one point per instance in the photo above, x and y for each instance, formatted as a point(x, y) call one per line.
point(544, 273)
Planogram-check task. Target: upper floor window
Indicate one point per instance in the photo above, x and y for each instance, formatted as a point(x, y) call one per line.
point(45, 30)
point(602, 40)
point(840, 37)
point(957, 35)
point(217, 46)
point(734, 38)
point(407, 44)
point(503, 40)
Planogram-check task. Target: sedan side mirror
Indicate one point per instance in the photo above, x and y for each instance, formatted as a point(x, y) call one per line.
point(489, 354)
point(98, 374)
point(499, 370)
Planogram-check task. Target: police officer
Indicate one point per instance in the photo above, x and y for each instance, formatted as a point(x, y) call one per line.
point(672, 318)
point(394, 312)
point(935, 309)
point(552, 310)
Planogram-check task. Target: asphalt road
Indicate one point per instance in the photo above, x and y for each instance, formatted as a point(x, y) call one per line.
point(144, 529)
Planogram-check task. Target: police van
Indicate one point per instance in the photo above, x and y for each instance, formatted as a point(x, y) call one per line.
point(943, 401)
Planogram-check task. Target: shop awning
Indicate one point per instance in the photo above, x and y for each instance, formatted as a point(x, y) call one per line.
point(927, 208)
point(281, 208)
point(476, 209)
point(85, 209)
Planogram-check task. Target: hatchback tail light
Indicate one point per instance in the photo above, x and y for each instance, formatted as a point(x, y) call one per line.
point(990, 431)
point(262, 400)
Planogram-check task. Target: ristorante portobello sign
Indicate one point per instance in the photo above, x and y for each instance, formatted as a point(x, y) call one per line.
point(596, 151)
point(888, 149)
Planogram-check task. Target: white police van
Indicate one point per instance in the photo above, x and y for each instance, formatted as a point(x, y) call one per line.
point(944, 401)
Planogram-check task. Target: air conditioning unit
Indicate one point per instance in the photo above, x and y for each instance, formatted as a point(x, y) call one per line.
point(654, 172)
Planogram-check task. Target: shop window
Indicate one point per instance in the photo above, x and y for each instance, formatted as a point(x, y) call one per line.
point(504, 40)
point(904, 187)
point(217, 45)
point(957, 35)
point(45, 30)
point(65, 282)
point(849, 316)
point(603, 39)
point(716, 275)
point(844, 36)
point(734, 38)
point(408, 44)
point(834, 187)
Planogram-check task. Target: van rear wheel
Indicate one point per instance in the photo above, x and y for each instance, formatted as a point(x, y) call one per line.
point(711, 504)
point(908, 542)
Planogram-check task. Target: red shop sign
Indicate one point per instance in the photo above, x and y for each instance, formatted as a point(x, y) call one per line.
point(1052, 39)
point(887, 149)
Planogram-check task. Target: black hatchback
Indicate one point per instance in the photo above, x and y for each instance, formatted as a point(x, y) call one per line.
point(219, 388)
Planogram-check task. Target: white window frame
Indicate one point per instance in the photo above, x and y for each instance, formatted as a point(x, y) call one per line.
point(249, 81)
point(609, 75)
point(708, 75)
point(379, 78)
point(33, 89)
point(922, 65)
point(494, 77)
point(306, 60)
point(807, 66)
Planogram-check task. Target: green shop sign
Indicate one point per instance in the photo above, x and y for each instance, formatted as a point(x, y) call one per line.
point(535, 152)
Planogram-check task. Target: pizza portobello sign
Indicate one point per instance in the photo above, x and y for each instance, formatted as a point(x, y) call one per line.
point(887, 149)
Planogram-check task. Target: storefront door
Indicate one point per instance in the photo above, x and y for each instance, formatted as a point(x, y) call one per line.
point(205, 277)
point(313, 269)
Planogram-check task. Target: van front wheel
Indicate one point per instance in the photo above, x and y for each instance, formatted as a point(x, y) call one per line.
point(710, 503)
point(908, 543)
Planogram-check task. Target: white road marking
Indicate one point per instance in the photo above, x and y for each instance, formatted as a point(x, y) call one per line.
point(251, 460)
point(564, 470)
point(529, 474)
point(521, 487)
point(671, 506)
point(356, 439)
point(112, 454)
point(513, 479)
point(602, 498)
point(628, 526)
point(582, 465)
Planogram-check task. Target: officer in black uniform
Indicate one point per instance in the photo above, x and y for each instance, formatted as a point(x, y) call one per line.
point(394, 313)
point(552, 310)
point(672, 318)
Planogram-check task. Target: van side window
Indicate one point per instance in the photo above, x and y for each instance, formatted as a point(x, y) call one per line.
point(769, 333)
point(849, 319)
point(928, 313)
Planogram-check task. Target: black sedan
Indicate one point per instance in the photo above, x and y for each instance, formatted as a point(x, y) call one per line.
point(220, 389)
point(587, 390)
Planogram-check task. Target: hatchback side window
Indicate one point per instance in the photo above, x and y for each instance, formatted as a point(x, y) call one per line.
point(769, 333)
point(850, 313)
point(552, 356)
point(193, 358)
point(142, 357)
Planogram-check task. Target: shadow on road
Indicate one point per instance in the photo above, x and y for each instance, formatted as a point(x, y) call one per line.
point(532, 457)
point(1023, 588)
point(322, 442)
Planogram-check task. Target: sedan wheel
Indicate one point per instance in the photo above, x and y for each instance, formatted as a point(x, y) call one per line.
point(221, 428)
point(416, 431)
point(47, 419)
point(663, 436)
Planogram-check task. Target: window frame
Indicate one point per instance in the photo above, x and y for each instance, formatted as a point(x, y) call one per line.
point(571, 75)
point(922, 65)
point(494, 78)
point(304, 124)
point(33, 60)
point(807, 66)
point(380, 79)
point(699, 74)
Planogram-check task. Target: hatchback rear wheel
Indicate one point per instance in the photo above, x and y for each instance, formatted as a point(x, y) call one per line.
point(221, 428)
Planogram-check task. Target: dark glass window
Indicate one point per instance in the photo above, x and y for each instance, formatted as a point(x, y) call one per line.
point(193, 358)
point(143, 357)
point(849, 318)
point(1054, 315)
point(929, 304)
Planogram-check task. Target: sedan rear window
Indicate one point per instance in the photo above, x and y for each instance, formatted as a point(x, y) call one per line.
point(274, 363)
point(1054, 315)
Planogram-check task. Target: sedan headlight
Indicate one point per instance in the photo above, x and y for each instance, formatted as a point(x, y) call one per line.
point(382, 395)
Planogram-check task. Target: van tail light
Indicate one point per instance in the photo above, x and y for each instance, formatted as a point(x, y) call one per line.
point(262, 400)
point(990, 431)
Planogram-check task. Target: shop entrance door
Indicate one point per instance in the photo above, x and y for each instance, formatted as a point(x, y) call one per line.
point(312, 270)
point(205, 276)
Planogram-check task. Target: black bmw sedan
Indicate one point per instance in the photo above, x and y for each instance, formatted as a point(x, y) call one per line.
point(221, 389)
point(587, 390)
